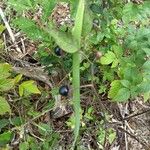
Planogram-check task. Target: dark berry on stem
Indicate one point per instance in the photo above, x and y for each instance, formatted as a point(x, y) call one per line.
point(64, 90)
point(58, 51)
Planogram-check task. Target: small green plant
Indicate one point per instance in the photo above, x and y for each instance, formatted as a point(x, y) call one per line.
point(120, 33)
point(8, 83)
point(69, 42)
point(105, 134)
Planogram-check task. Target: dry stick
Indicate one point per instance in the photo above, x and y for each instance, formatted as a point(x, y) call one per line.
point(9, 30)
point(137, 114)
point(134, 137)
point(35, 73)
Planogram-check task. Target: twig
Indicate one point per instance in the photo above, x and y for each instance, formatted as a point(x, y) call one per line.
point(4, 37)
point(23, 46)
point(135, 115)
point(9, 30)
point(125, 134)
point(35, 73)
point(134, 137)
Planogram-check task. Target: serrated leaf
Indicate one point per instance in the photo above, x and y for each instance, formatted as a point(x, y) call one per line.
point(108, 58)
point(6, 84)
point(4, 106)
point(122, 95)
point(30, 28)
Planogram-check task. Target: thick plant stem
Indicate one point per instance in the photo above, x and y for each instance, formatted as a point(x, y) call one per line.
point(76, 92)
point(77, 32)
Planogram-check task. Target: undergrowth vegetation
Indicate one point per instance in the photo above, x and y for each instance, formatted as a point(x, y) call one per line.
point(99, 51)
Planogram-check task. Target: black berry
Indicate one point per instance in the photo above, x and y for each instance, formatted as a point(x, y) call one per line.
point(58, 51)
point(64, 90)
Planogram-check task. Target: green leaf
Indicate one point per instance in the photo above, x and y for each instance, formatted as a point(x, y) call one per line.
point(4, 70)
point(122, 95)
point(5, 138)
point(115, 63)
point(17, 78)
point(87, 20)
point(147, 51)
point(130, 12)
point(118, 50)
point(112, 136)
point(21, 90)
point(134, 91)
point(28, 86)
point(146, 96)
point(131, 74)
point(125, 83)
point(30, 28)
point(4, 106)
point(108, 58)
point(77, 30)
point(146, 66)
point(20, 5)
point(24, 146)
point(115, 86)
point(2, 28)
point(63, 39)
point(6, 84)
point(3, 123)
point(17, 121)
point(96, 9)
point(144, 87)
point(47, 6)
point(96, 38)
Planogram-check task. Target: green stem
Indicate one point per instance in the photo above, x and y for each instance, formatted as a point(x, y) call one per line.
point(76, 32)
point(76, 92)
